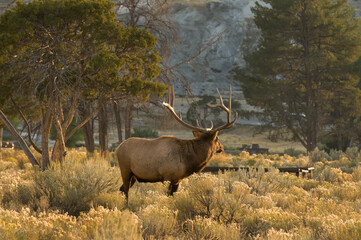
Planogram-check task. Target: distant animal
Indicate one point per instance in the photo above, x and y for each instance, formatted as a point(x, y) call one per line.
point(169, 158)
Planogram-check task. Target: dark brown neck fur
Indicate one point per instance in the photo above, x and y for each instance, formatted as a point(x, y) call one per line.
point(199, 152)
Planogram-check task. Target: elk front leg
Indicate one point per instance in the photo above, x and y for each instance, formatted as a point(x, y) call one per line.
point(173, 186)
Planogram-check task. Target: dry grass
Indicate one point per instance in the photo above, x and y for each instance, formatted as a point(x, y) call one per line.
point(232, 205)
point(239, 135)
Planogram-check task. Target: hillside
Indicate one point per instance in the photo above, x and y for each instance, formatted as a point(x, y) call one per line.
point(197, 23)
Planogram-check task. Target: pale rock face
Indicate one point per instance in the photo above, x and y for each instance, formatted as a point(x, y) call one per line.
point(199, 22)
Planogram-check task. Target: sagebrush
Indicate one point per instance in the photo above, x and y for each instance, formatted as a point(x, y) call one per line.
point(80, 199)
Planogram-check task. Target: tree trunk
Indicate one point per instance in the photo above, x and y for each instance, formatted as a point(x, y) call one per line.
point(311, 99)
point(339, 142)
point(128, 117)
point(118, 121)
point(103, 131)
point(1, 141)
point(88, 128)
point(62, 124)
point(45, 133)
point(18, 138)
point(88, 132)
point(59, 149)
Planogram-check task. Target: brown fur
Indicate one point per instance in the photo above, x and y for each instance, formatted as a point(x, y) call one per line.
point(166, 158)
point(169, 158)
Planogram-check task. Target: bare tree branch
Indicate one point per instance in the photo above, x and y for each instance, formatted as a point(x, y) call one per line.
point(28, 126)
point(19, 139)
point(83, 123)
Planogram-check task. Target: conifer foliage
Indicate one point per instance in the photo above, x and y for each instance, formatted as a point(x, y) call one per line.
point(301, 73)
point(64, 52)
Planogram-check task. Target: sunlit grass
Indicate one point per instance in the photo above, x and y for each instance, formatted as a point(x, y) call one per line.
point(80, 199)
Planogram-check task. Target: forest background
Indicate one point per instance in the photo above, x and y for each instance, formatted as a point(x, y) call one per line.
point(65, 65)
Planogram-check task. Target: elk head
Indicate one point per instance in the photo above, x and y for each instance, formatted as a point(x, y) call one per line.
point(209, 134)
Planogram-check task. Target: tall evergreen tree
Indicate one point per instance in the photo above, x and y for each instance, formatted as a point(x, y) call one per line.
point(303, 65)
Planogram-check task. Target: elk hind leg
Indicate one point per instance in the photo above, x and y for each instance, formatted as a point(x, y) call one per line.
point(128, 181)
point(132, 181)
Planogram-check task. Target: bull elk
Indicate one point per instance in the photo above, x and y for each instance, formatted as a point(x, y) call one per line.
point(169, 158)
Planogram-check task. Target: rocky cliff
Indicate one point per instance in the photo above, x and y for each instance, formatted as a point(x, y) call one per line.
point(197, 25)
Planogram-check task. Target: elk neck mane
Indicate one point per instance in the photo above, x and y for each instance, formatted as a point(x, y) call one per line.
point(198, 152)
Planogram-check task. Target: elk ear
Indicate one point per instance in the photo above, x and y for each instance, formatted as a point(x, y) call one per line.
point(196, 134)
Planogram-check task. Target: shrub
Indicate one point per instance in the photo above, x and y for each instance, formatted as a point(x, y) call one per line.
point(223, 159)
point(99, 223)
point(184, 203)
point(143, 194)
point(203, 189)
point(319, 156)
point(347, 192)
point(353, 154)
point(118, 225)
point(283, 200)
point(293, 152)
point(262, 182)
point(7, 197)
point(345, 230)
point(273, 234)
point(356, 174)
point(253, 224)
point(23, 225)
point(25, 194)
point(332, 175)
point(158, 222)
point(72, 186)
point(261, 220)
point(230, 205)
point(336, 154)
point(206, 228)
point(110, 200)
point(144, 133)
point(320, 192)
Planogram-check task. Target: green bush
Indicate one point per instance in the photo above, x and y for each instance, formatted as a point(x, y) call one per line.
point(319, 156)
point(293, 152)
point(145, 133)
point(353, 154)
point(25, 194)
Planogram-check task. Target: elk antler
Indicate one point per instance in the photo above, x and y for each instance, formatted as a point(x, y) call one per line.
point(170, 106)
point(228, 110)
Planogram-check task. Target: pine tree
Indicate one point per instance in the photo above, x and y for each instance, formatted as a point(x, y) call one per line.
point(302, 64)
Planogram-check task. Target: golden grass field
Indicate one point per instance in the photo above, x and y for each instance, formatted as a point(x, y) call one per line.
point(80, 199)
point(240, 135)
